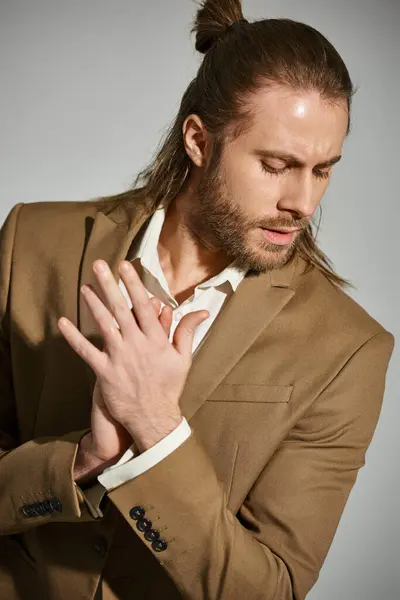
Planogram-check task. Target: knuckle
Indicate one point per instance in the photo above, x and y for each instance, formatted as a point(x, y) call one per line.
point(118, 306)
point(145, 306)
point(83, 351)
point(110, 329)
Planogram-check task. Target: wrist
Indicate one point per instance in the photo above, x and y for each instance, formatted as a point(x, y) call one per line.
point(87, 464)
point(154, 432)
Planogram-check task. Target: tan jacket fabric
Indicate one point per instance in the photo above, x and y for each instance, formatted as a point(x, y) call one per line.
point(283, 398)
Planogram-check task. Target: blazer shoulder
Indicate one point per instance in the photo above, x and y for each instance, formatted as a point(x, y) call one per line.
point(336, 309)
point(43, 211)
point(56, 222)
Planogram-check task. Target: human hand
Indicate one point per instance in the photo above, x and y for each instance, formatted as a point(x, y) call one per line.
point(141, 373)
point(108, 440)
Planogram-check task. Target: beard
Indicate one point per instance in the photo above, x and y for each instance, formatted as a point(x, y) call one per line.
point(222, 226)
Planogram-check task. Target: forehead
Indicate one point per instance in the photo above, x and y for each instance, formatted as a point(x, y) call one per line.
point(298, 122)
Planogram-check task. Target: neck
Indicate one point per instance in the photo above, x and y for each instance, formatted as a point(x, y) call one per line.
point(184, 259)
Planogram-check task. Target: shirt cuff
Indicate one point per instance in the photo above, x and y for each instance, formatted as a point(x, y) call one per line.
point(92, 496)
point(128, 467)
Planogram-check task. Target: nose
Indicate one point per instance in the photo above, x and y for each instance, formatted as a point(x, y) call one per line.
point(300, 196)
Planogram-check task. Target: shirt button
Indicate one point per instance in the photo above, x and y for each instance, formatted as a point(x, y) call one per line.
point(177, 316)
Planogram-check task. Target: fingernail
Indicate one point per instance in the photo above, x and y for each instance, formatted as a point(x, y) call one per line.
point(101, 267)
point(125, 266)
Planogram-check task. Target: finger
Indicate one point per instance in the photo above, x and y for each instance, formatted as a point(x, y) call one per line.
point(156, 304)
point(165, 316)
point(141, 306)
point(184, 333)
point(116, 303)
point(166, 319)
point(94, 357)
point(104, 319)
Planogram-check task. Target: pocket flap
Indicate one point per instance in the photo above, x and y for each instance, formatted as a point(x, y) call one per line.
point(249, 392)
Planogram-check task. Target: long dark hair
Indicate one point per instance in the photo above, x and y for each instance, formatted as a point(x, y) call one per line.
point(241, 57)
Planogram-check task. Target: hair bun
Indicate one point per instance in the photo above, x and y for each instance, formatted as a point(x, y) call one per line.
point(237, 23)
point(214, 19)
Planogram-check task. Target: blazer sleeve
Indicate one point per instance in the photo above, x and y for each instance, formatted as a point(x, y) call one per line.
point(275, 545)
point(36, 478)
point(129, 466)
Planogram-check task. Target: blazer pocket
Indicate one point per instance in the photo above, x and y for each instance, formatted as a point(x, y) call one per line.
point(249, 392)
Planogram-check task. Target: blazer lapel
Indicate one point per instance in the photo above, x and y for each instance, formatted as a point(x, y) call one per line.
point(109, 240)
point(255, 303)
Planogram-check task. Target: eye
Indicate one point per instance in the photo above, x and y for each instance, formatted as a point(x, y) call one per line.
point(272, 171)
point(322, 174)
point(318, 173)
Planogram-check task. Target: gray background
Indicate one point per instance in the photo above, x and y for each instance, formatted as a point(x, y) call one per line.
point(87, 89)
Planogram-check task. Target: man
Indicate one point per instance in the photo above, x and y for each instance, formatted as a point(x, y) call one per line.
point(193, 425)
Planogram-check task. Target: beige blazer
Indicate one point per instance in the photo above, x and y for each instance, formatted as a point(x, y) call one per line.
point(283, 398)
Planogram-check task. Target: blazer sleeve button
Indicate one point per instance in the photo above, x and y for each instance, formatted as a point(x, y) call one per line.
point(151, 535)
point(35, 509)
point(55, 505)
point(40, 508)
point(47, 506)
point(27, 511)
point(137, 512)
point(159, 545)
point(144, 524)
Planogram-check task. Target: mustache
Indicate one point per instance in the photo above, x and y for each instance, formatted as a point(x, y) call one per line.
point(282, 225)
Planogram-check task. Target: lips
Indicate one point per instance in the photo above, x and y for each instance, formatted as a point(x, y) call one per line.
point(281, 230)
point(278, 237)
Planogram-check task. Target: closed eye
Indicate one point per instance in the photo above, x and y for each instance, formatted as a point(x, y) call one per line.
point(318, 173)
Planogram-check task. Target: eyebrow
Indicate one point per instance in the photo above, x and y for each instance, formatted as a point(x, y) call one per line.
point(293, 160)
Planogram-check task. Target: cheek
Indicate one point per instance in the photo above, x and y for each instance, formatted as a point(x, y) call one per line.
point(248, 185)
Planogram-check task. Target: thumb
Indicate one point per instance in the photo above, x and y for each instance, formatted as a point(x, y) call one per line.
point(184, 333)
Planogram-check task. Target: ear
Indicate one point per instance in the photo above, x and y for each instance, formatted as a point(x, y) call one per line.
point(196, 140)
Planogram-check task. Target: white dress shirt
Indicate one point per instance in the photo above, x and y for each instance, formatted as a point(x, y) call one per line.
point(209, 295)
